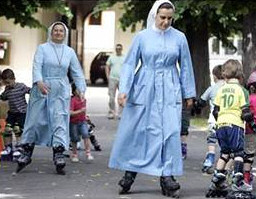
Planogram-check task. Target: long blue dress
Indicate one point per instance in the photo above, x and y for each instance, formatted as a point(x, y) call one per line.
point(148, 136)
point(47, 118)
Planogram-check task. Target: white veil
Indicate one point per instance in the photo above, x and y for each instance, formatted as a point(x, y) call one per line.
point(49, 38)
point(153, 11)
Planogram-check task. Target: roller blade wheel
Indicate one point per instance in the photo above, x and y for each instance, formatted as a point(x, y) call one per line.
point(208, 170)
point(216, 193)
point(240, 195)
point(60, 169)
point(171, 193)
point(170, 187)
point(22, 165)
point(126, 182)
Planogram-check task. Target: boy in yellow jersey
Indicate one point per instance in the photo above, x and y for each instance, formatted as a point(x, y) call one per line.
point(231, 109)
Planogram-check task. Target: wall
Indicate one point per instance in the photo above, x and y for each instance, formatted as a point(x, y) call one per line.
point(23, 44)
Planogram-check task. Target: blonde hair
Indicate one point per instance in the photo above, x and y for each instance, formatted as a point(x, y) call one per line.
point(232, 69)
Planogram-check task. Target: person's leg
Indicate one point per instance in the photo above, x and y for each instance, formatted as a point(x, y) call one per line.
point(7, 153)
point(74, 138)
point(83, 130)
point(210, 155)
point(185, 122)
point(236, 138)
point(88, 149)
point(18, 130)
point(112, 95)
point(250, 149)
point(74, 155)
point(218, 184)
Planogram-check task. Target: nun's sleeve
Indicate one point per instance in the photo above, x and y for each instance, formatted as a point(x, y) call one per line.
point(76, 73)
point(129, 65)
point(37, 65)
point(186, 70)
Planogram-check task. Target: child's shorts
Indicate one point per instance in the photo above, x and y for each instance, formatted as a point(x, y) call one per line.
point(250, 143)
point(230, 138)
point(77, 130)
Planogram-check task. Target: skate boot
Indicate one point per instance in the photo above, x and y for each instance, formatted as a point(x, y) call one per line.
point(59, 159)
point(170, 187)
point(126, 182)
point(240, 189)
point(7, 153)
point(184, 150)
point(218, 186)
point(95, 143)
point(25, 157)
point(239, 184)
point(17, 152)
point(208, 163)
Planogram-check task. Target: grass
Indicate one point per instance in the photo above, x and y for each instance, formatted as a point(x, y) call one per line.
point(199, 122)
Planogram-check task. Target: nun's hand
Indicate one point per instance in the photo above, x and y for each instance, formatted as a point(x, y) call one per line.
point(81, 95)
point(43, 87)
point(121, 99)
point(189, 103)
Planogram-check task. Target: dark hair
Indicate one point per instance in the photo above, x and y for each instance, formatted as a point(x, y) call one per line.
point(8, 74)
point(73, 87)
point(252, 87)
point(165, 5)
point(217, 71)
point(120, 45)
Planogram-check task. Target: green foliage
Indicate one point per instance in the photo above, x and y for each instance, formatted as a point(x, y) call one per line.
point(22, 11)
point(199, 122)
point(224, 17)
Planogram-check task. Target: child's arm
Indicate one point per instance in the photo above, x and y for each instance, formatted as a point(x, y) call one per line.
point(247, 116)
point(76, 112)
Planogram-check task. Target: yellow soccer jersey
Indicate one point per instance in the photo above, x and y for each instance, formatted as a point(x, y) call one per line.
point(231, 97)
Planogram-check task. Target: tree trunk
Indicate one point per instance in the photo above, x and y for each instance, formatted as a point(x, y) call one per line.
point(249, 44)
point(198, 43)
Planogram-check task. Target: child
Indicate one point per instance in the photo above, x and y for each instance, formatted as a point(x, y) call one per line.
point(15, 94)
point(231, 109)
point(250, 132)
point(78, 125)
point(209, 95)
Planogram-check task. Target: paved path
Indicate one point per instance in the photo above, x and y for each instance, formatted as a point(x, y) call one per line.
point(95, 180)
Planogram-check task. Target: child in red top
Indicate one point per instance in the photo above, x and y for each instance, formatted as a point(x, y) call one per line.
point(250, 134)
point(78, 125)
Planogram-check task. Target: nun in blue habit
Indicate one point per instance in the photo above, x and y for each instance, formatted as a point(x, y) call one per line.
point(47, 118)
point(148, 136)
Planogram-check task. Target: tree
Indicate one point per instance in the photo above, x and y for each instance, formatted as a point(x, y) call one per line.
point(198, 19)
point(22, 11)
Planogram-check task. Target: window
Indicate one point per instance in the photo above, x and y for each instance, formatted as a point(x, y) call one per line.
point(239, 47)
point(229, 50)
point(95, 19)
point(215, 46)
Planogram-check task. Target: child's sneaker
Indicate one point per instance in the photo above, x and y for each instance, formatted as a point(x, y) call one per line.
point(74, 158)
point(89, 157)
point(111, 115)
